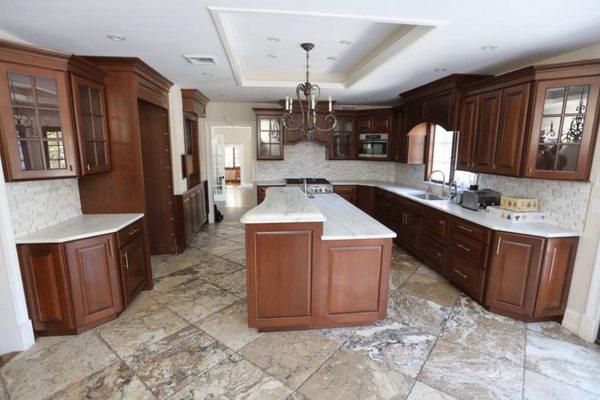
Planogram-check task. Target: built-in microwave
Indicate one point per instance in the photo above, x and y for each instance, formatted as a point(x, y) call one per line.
point(373, 145)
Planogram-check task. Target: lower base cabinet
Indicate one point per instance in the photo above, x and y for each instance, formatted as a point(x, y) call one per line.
point(191, 213)
point(74, 286)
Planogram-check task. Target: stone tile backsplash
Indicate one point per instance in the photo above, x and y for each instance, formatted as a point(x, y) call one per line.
point(35, 205)
point(308, 160)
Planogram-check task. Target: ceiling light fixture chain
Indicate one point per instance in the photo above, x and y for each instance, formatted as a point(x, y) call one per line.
point(311, 93)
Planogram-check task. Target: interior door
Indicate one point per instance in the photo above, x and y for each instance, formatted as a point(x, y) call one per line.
point(158, 179)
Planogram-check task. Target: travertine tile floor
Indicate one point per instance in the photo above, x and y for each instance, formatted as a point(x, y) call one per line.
point(188, 339)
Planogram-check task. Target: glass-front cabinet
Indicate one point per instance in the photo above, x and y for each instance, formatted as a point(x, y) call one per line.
point(90, 116)
point(269, 136)
point(37, 135)
point(342, 145)
point(563, 123)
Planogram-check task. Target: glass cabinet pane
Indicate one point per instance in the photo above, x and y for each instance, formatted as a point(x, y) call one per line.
point(45, 90)
point(567, 158)
point(269, 137)
point(553, 103)
point(577, 97)
point(21, 89)
point(92, 127)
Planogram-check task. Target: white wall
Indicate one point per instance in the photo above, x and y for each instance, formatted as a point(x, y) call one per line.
point(241, 135)
point(177, 138)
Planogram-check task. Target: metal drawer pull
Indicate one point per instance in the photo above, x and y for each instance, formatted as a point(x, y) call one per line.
point(463, 247)
point(133, 231)
point(465, 229)
point(125, 260)
point(498, 247)
point(460, 273)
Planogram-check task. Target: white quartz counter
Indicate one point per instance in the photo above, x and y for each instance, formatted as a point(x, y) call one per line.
point(282, 205)
point(344, 221)
point(341, 220)
point(80, 227)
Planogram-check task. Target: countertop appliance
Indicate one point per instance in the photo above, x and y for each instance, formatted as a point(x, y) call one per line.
point(373, 145)
point(476, 199)
point(311, 185)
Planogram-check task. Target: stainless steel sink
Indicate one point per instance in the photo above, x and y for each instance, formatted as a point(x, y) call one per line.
point(428, 196)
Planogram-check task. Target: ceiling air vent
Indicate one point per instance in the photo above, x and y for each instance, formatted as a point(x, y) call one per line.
point(202, 60)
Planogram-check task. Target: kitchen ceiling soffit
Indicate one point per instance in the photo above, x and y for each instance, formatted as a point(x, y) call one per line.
point(258, 61)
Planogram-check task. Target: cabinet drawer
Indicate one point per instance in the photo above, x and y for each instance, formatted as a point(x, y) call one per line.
point(472, 231)
point(469, 248)
point(129, 232)
point(466, 275)
point(409, 205)
point(436, 225)
point(338, 189)
point(433, 253)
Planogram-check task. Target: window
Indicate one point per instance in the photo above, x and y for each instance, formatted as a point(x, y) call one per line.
point(442, 149)
point(232, 157)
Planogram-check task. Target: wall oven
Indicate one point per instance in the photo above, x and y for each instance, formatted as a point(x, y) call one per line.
point(373, 145)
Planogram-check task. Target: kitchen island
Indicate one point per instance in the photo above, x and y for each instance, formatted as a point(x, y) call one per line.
point(314, 262)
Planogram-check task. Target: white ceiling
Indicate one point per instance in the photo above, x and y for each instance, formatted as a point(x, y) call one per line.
point(387, 55)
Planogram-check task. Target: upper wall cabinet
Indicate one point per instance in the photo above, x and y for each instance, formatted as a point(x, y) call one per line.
point(269, 131)
point(343, 137)
point(41, 94)
point(537, 122)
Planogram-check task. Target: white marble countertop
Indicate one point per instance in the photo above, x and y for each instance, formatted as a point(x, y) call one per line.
point(542, 229)
point(80, 227)
point(344, 221)
point(282, 205)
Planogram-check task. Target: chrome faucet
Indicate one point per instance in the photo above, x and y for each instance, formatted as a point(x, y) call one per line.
point(443, 181)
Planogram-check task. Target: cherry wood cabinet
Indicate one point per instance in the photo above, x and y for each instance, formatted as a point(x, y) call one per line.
point(365, 198)
point(52, 115)
point(486, 131)
point(343, 138)
point(74, 286)
point(375, 121)
point(347, 192)
point(191, 210)
point(406, 222)
point(269, 130)
point(90, 117)
point(468, 122)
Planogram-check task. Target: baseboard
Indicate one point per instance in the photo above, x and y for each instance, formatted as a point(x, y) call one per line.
point(571, 320)
point(588, 328)
point(27, 333)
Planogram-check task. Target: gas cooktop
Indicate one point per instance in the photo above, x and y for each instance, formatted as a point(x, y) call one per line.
point(311, 185)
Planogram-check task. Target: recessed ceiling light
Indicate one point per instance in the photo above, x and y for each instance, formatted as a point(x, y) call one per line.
point(273, 39)
point(116, 37)
point(272, 56)
point(345, 42)
point(208, 74)
point(440, 69)
point(331, 58)
point(488, 47)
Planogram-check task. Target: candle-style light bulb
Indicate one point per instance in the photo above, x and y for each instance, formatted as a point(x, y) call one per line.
point(330, 107)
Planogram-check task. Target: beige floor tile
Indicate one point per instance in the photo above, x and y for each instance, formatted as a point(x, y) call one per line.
point(239, 238)
point(116, 382)
point(230, 326)
point(397, 346)
point(215, 268)
point(238, 256)
point(349, 375)
point(556, 331)
point(52, 369)
point(468, 374)
point(234, 378)
point(168, 365)
point(234, 283)
point(338, 335)
point(3, 394)
point(289, 356)
point(578, 366)
point(227, 230)
point(143, 301)
point(41, 343)
point(399, 273)
point(539, 387)
point(195, 299)
point(222, 247)
point(421, 391)
point(130, 334)
point(480, 330)
point(427, 284)
point(426, 315)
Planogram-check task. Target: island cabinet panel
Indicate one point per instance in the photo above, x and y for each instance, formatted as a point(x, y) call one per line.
point(44, 274)
point(514, 273)
point(94, 279)
point(555, 280)
point(281, 259)
point(352, 282)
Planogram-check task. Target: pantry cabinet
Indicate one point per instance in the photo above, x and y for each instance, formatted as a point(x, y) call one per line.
point(52, 115)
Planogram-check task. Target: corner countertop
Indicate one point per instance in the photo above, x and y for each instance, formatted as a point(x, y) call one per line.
point(80, 227)
point(541, 229)
point(341, 220)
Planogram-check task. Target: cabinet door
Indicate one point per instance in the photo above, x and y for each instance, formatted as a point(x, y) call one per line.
point(511, 130)
point(411, 232)
point(342, 145)
point(414, 114)
point(270, 138)
point(133, 267)
point(555, 280)
point(563, 129)
point(440, 108)
point(37, 134)
point(484, 141)
point(45, 281)
point(382, 123)
point(514, 273)
point(187, 218)
point(90, 118)
point(95, 279)
point(365, 196)
point(467, 126)
point(202, 205)
point(365, 124)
